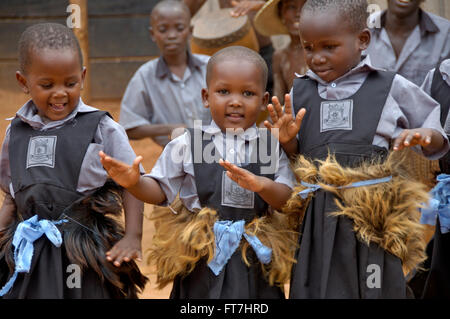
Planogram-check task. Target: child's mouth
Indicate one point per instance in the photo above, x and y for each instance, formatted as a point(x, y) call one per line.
point(58, 106)
point(404, 2)
point(234, 117)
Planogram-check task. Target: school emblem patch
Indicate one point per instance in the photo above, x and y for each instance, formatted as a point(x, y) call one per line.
point(336, 115)
point(41, 151)
point(234, 195)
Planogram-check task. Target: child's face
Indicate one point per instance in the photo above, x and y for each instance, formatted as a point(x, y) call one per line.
point(403, 8)
point(331, 47)
point(235, 94)
point(54, 80)
point(170, 30)
point(290, 15)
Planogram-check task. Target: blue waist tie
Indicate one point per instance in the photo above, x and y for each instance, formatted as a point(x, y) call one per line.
point(314, 187)
point(228, 235)
point(438, 205)
point(26, 233)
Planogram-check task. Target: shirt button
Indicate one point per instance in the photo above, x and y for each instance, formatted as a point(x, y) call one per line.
point(231, 151)
point(333, 85)
point(182, 85)
point(444, 77)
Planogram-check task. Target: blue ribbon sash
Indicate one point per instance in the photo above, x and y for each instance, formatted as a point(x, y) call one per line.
point(228, 235)
point(27, 232)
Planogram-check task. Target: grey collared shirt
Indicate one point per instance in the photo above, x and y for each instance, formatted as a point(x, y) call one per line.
point(406, 107)
point(155, 95)
point(174, 169)
point(444, 69)
point(426, 46)
point(110, 137)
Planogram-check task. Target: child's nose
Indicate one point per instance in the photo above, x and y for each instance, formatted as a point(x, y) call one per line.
point(59, 92)
point(318, 59)
point(235, 102)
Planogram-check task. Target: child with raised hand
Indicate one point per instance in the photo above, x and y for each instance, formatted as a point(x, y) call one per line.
point(347, 108)
point(60, 204)
point(197, 247)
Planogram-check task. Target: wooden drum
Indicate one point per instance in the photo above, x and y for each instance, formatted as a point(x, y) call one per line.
point(218, 29)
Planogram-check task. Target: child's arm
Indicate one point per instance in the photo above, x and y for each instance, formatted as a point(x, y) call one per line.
point(430, 139)
point(285, 127)
point(7, 211)
point(145, 189)
point(129, 247)
point(152, 130)
point(273, 193)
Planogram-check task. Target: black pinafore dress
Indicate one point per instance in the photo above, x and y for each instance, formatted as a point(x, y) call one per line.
point(434, 281)
point(45, 167)
point(331, 261)
point(215, 190)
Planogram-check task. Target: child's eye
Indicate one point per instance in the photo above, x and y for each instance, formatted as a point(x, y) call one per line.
point(307, 48)
point(180, 27)
point(71, 84)
point(223, 91)
point(248, 93)
point(46, 86)
point(330, 47)
point(161, 30)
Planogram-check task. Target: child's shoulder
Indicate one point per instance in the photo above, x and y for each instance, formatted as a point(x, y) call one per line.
point(202, 57)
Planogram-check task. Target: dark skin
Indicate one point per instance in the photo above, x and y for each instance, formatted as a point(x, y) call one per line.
point(169, 29)
point(401, 19)
point(235, 95)
point(330, 53)
point(7, 212)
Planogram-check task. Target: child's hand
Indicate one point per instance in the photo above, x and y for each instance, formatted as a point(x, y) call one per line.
point(123, 174)
point(242, 7)
point(126, 249)
point(243, 177)
point(409, 138)
point(284, 126)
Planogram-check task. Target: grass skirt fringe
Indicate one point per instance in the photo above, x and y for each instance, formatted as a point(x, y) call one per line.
point(386, 214)
point(182, 239)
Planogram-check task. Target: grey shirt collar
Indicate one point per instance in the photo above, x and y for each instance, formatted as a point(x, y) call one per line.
point(162, 68)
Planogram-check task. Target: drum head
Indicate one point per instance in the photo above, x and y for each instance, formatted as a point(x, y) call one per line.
point(218, 25)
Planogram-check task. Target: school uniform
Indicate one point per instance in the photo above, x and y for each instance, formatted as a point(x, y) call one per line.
point(356, 117)
point(53, 172)
point(155, 95)
point(426, 46)
point(434, 280)
point(202, 182)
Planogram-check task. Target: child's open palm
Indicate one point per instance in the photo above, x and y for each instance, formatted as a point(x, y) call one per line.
point(123, 174)
point(242, 177)
point(409, 138)
point(285, 127)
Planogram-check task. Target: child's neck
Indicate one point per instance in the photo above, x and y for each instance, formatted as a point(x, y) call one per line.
point(401, 25)
point(177, 63)
point(295, 43)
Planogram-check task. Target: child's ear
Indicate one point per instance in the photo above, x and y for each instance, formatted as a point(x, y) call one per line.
point(205, 98)
point(265, 101)
point(83, 76)
point(364, 39)
point(150, 30)
point(22, 80)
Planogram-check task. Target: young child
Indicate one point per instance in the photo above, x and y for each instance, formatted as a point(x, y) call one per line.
point(411, 42)
point(164, 93)
point(62, 239)
point(434, 280)
point(354, 238)
point(197, 247)
point(282, 17)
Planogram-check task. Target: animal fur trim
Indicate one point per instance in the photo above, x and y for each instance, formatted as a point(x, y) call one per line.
point(386, 214)
point(97, 228)
point(182, 239)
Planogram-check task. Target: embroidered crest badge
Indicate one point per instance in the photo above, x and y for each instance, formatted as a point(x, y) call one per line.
point(336, 115)
point(234, 195)
point(41, 151)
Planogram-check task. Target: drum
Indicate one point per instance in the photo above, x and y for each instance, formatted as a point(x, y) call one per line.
point(218, 29)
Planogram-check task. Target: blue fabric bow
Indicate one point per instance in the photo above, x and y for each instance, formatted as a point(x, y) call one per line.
point(438, 205)
point(228, 236)
point(314, 187)
point(27, 232)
